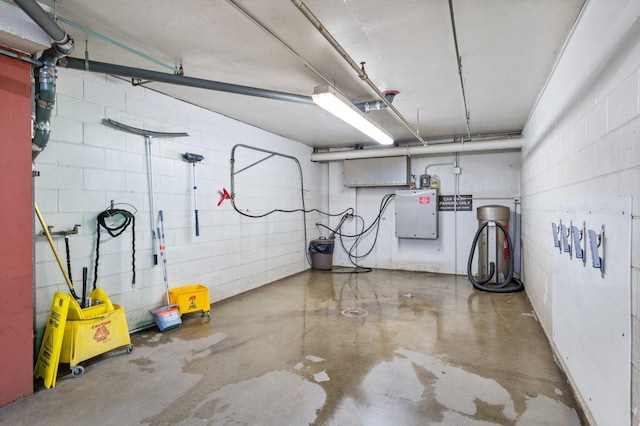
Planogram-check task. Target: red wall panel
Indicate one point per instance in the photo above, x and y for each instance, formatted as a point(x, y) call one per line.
point(16, 232)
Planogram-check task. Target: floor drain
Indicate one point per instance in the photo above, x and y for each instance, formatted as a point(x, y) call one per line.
point(355, 313)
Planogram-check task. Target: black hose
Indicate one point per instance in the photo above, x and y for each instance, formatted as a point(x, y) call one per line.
point(503, 287)
point(129, 219)
point(66, 246)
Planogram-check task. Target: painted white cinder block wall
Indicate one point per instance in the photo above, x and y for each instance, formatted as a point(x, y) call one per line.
point(87, 164)
point(490, 178)
point(582, 143)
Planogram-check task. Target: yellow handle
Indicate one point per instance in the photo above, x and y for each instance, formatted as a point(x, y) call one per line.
point(47, 234)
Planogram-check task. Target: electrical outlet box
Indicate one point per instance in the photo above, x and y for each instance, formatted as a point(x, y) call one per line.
point(417, 214)
point(457, 170)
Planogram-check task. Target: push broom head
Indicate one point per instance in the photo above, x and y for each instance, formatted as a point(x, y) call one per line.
point(192, 158)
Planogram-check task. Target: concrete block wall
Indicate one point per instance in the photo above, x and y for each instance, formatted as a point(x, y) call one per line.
point(490, 178)
point(582, 142)
point(88, 164)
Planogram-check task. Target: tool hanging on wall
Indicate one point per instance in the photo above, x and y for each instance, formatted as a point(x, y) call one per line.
point(166, 317)
point(65, 234)
point(119, 221)
point(193, 159)
point(47, 234)
point(163, 255)
point(224, 195)
point(148, 134)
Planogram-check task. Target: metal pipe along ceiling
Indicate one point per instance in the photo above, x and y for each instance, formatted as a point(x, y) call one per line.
point(181, 80)
point(441, 148)
point(363, 75)
point(40, 17)
point(459, 61)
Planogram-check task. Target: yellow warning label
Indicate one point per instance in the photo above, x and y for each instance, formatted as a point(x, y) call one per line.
point(49, 356)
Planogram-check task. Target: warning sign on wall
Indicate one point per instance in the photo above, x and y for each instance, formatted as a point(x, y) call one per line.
point(461, 203)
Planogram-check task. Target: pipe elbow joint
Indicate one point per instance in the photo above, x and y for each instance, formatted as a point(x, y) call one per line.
point(62, 48)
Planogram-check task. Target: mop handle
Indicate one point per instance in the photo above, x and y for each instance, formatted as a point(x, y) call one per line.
point(163, 256)
point(154, 237)
point(47, 234)
point(195, 199)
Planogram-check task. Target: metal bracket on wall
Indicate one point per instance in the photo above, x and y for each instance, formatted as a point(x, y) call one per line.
point(565, 238)
point(596, 241)
point(70, 231)
point(579, 242)
point(554, 230)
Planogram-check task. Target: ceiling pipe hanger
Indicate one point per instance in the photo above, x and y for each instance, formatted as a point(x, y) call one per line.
point(359, 70)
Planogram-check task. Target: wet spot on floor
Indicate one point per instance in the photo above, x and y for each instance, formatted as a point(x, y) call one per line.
point(254, 402)
point(471, 399)
point(321, 377)
point(314, 358)
point(395, 379)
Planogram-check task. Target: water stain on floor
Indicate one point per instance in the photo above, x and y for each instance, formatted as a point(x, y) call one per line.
point(431, 350)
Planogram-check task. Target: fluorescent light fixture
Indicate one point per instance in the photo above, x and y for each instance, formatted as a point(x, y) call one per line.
point(331, 100)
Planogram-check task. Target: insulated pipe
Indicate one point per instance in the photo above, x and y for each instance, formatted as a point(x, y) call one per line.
point(359, 70)
point(160, 77)
point(444, 148)
point(46, 74)
point(45, 98)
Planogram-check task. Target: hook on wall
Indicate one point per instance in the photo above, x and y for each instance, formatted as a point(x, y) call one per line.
point(596, 241)
point(565, 238)
point(578, 240)
point(70, 231)
point(555, 229)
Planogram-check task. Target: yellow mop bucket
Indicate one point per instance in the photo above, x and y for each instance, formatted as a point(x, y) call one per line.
point(191, 298)
point(94, 330)
point(74, 334)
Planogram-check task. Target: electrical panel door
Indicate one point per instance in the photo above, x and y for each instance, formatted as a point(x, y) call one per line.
point(417, 213)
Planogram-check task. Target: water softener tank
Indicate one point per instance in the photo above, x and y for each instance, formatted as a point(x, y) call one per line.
point(492, 243)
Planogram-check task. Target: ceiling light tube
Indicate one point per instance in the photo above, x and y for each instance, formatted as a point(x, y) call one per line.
point(331, 100)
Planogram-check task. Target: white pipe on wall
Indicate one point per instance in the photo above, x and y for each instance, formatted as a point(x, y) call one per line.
point(443, 148)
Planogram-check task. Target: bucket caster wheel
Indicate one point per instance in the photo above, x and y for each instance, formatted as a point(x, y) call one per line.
point(130, 348)
point(77, 371)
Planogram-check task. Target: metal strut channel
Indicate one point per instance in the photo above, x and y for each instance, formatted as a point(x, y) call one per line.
point(148, 134)
point(143, 132)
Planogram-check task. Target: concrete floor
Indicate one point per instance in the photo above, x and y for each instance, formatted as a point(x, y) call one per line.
point(429, 351)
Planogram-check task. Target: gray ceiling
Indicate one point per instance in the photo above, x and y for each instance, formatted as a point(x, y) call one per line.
point(507, 50)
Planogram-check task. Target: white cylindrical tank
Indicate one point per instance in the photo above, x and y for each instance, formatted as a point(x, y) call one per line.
point(492, 243)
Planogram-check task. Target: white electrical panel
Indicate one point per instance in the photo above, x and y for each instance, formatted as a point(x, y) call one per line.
point(417, 213)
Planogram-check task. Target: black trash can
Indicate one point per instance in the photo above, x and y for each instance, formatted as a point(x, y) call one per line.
point(321, 254)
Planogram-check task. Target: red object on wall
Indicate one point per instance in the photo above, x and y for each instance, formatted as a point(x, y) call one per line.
point(16, 232)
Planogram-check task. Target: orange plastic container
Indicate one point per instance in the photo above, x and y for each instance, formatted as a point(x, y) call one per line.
point(191, 298)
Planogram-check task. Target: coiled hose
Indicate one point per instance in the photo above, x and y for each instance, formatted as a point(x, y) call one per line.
point(501, 287)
